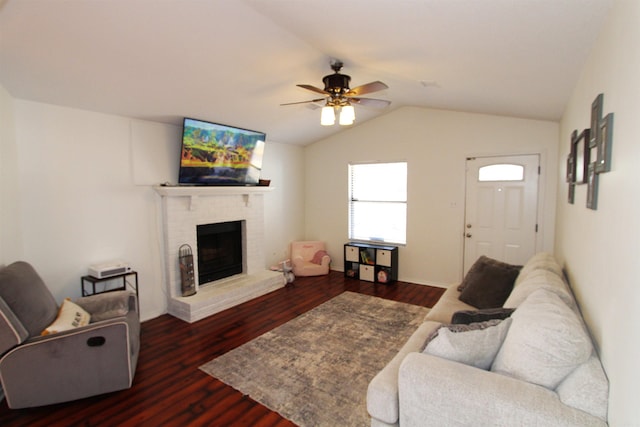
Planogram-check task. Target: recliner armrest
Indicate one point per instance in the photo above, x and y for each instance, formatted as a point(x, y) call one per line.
point(108, 305)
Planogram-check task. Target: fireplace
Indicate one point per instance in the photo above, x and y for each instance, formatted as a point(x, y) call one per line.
point(219, 250)
point(184, 210)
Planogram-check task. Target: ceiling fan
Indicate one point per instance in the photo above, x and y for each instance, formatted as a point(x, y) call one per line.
point(340, 98)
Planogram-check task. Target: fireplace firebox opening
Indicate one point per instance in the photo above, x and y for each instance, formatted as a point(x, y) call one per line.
point(219, 250)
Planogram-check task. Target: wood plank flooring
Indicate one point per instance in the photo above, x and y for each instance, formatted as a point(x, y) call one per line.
point(170, 390)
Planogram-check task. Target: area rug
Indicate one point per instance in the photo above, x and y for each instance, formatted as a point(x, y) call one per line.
point(315, 369)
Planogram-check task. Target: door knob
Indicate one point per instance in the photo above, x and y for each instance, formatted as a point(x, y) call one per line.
point(468, 234)
point(468, 225)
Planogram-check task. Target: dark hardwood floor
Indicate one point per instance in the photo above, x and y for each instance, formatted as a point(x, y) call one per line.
point(170, 390)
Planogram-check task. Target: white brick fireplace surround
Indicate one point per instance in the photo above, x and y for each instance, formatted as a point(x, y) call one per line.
point(184, 208)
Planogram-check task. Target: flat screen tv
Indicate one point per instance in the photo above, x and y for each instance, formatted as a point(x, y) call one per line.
point(215, 154)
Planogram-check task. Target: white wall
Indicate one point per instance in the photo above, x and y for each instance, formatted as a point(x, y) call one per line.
point(600, 249)
point(435, 143)
point(284, 206)
point(10, 224)
point(84, 181)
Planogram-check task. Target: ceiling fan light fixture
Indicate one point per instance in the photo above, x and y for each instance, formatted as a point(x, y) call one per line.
point(336, 84)
point(338, 97)
point(347, 115)
point(328, 116)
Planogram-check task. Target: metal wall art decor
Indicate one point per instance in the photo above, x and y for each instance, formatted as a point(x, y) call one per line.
point(603, 145)
point(581, 156)
point(590, 154)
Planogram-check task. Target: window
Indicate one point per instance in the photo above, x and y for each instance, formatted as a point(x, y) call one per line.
point(501, 172)
point(378, 202)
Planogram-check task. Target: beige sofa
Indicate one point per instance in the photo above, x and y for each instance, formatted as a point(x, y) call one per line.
point(545, 370)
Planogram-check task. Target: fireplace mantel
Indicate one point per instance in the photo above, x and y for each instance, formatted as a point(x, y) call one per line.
point(193, 192)
point(189, 191)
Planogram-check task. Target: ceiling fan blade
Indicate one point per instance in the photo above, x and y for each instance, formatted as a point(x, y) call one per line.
point(370, 102)
point(367, 88)
point(305, 102)
point(314, 89)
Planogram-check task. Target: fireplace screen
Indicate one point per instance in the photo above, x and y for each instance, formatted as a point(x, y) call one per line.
point(219, 250)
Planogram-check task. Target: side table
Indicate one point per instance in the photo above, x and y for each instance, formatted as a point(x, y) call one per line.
point(88, 284)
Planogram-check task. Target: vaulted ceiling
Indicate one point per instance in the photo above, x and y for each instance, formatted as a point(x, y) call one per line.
point(236, 61)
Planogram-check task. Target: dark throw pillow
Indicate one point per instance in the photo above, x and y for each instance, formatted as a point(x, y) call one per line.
point(466, 317)
point(488, 283)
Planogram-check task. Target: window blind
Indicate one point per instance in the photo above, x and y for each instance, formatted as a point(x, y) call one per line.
point(378, 202)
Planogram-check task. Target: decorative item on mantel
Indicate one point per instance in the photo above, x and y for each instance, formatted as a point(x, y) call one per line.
point(590, 154)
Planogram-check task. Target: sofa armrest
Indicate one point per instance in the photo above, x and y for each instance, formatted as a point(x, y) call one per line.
point(382, 393)
point(441, 392)
point(94, 359)
point(448, 304)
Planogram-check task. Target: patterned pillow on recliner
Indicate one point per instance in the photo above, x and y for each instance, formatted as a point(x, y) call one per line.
point(70, 316)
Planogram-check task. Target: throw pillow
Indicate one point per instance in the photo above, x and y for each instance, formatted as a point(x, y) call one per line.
point(70, 316)
point(478, 270)
point(465, 317)
point(476, 344)
point(546, 341)
point(317, 258)
point(488, 283)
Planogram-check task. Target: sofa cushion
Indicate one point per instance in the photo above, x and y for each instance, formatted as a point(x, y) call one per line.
point(472, 316)
point(546, 341)
point(488, 283)
point(540, 261)
point(70, 316)
point(475, 344)
point(448, 304)
point(540, 279)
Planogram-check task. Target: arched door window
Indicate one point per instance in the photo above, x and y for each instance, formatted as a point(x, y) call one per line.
point(501, 172)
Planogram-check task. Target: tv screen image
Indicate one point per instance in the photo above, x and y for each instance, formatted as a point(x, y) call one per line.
point(216, 154)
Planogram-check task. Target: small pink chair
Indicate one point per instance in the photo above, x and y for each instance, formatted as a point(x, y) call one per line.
point(309, 258)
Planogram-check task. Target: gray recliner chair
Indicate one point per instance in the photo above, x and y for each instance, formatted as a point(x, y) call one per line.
point(37, 370)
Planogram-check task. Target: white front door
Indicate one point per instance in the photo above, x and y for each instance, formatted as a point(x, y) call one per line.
point(501, 208)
